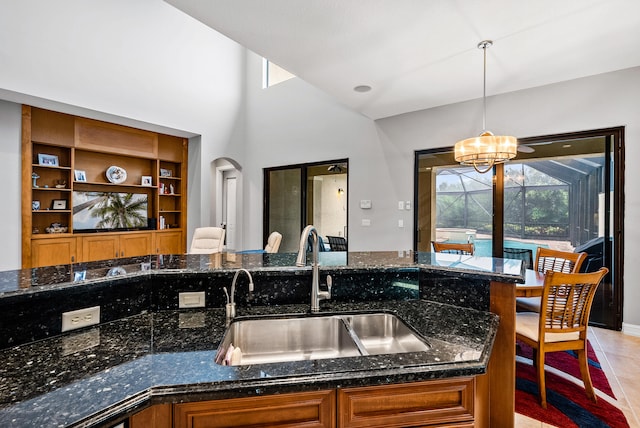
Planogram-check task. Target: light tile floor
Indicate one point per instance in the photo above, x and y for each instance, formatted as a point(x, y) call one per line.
point(619, 356)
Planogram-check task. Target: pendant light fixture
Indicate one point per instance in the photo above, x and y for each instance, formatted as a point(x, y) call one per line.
point(485, 150)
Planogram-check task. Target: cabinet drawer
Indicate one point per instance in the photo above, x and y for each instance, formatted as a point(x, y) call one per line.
point(308, 409)
point(433, 403)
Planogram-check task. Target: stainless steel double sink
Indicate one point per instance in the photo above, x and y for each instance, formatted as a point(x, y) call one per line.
point(269, 340)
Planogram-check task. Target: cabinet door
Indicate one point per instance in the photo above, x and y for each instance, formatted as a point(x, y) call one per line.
point(158, 416)
point(169, 242)
point(138, 244)
point(50, 252)
point(434, 403)
point(100, 247)
point(308, 409)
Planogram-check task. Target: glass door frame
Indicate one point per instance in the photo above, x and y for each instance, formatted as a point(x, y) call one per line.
point(304, 175)
point(612, 179)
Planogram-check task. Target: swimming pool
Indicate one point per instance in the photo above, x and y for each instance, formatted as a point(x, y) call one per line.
point(482, 247)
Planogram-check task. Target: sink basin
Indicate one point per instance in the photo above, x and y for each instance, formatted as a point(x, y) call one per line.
point(290, 339)
point(385, 334)
point(271, 340)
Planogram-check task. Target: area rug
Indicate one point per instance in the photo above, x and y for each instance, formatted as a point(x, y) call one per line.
point(567, 402)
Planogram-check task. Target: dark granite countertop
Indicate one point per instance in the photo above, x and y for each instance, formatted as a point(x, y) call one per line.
point(26, 281)
point(98, 374)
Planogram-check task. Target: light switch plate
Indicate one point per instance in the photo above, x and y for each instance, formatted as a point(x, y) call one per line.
point(191, 299)
point(366, 222)
point(365, 204)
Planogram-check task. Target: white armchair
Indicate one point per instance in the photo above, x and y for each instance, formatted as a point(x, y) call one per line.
point(207, 240)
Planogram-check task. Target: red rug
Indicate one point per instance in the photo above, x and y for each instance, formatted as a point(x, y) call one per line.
point(567, 403)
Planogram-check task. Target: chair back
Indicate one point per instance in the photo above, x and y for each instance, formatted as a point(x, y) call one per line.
point(273, 242)
point(524, 254)
point(451, 248)
point(207, 240)
point(337, 243)
point(558, 261)
point(566, 301)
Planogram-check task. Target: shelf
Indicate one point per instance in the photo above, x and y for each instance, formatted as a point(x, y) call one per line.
point(169, 212)
point(95, 183)
point(170, 194)
point(55, 189)
point(170, 178)
point(50, 211)
point(37, 165)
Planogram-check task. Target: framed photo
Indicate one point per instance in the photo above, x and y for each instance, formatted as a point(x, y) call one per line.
point(165, 172)
point(147, 180)
point(59, 204)
point(47, 160)
point(35, 205)
point(80, 175)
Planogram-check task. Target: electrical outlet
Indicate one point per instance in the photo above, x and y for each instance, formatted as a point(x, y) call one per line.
point(80, 318)
point(191, 299)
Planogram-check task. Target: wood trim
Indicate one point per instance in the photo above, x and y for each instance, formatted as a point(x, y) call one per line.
point(111, 138)
point(27, 153)
point(502, 365)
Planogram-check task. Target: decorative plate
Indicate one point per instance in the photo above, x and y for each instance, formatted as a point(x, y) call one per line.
point(116, 174)
point(115, 271)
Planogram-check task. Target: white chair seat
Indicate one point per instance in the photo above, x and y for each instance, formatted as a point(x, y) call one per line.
point(527, 324)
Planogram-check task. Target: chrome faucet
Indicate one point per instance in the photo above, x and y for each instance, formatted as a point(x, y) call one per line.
point(316, 294)
point(231, 305)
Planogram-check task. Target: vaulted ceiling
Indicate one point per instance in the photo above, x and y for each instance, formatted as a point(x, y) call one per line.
point(417, 54)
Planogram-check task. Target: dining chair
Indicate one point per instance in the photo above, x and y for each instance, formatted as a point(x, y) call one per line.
point(551, 260)
point(524, 254)
point(337, 243)
point(451, 248)
point(207, 240)
point(562, 323)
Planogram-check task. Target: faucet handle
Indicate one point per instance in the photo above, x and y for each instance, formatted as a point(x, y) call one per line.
point(329, 283)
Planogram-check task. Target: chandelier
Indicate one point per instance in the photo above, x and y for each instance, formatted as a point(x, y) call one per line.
point(485, 150)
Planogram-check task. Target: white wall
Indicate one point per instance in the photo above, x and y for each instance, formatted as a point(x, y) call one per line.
point(11, 178)
point(141, 63)
point(294, 122)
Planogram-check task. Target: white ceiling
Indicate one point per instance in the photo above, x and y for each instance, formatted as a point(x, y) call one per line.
point(418, 54)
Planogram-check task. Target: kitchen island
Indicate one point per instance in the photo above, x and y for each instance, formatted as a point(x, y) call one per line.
point(153, 353)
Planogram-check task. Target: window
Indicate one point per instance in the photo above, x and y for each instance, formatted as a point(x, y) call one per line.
point(272, 74)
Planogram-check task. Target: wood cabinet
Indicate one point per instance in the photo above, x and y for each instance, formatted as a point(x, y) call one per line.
point(53, 251)
point(116, 245)
point(169, 242)
point(79, 175)
point(436, 403)
point(157, 416)
point(308, 409)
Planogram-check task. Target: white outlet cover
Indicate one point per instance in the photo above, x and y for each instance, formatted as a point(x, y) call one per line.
point(366, 222)
point(80, 318)
point(365, 204)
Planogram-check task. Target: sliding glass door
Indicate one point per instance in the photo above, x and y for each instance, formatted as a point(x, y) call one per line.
point(312, 193)
point(562, 192)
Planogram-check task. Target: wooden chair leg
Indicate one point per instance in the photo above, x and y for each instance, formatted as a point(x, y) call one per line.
point(583, 361)
point(542, 389)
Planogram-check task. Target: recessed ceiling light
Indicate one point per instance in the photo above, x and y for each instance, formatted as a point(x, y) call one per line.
point(362, 88)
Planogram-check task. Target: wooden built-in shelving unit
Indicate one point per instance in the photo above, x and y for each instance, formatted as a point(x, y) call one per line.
point(57, 146)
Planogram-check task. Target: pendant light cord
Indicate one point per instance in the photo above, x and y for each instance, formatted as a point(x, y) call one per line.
point(484, 90)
